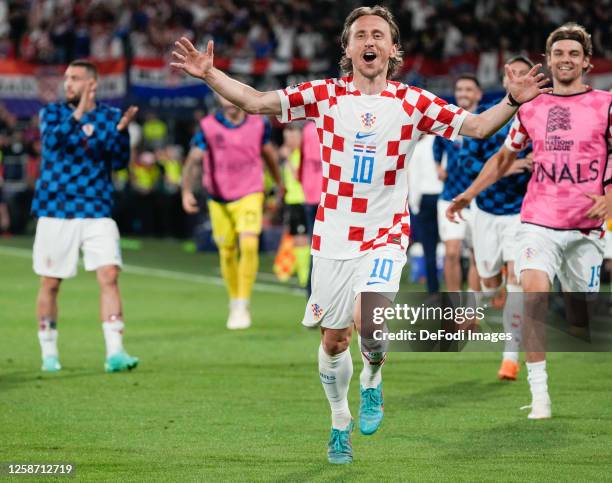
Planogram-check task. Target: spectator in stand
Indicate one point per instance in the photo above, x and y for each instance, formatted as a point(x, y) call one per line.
point(52, 30)
point(154, 131)
point(169, 159)
point(17, 188)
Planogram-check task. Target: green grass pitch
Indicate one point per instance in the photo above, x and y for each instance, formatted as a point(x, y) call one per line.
point(207, 404)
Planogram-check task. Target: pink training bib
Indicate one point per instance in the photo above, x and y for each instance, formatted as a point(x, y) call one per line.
point(570, 136)
point(310, 168)
point(233, 167)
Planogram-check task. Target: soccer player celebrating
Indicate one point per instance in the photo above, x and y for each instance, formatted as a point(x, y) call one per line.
point(565, 205)
point(456, 180)
point(495, 221)
point(230, 145)
point(82, 142)
point(368, 126)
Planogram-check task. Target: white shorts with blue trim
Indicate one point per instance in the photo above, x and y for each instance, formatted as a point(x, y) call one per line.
point(336, 284)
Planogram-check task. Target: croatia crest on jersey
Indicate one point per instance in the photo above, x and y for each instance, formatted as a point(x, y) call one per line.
point(88, 129)
point(367, 121)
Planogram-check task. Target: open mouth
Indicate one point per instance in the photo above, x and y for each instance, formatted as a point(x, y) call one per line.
point(369, 57)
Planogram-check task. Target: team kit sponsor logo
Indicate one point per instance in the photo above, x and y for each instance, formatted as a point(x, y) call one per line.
point(559, 119)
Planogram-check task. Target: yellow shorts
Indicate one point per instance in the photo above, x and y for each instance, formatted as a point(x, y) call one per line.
point(236, 217)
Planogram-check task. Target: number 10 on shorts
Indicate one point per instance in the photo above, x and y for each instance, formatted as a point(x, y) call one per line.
point(383, 267)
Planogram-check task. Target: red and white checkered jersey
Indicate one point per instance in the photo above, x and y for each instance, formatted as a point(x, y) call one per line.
point(366, 141)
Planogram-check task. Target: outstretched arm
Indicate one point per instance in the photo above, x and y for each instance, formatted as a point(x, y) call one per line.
point(200, 65)
point(493, 170)
point(520, 90)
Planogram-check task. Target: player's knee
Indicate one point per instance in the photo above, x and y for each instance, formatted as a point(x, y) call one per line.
point(227, 252)
point(490, 284)
point(249, 244)
point(108, 275)
point(452, 257)
point(335, 342)
point(534, 281)
point(50, 285)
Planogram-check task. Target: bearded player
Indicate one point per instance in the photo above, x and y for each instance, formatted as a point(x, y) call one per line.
point(568, 196)
point(368, 127)
point(83, 141)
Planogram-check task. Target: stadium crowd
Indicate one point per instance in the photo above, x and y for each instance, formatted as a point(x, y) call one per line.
point(148, 194)
point(56, 31)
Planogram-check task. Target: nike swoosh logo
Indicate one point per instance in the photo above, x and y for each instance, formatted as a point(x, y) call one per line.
point(372, 283)
point(361, 136)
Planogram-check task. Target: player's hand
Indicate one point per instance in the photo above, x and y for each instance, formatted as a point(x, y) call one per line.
point(520, 166)
point(127, 117)
point(459, 203)
point(191, 60)
point(442, 174)
point(600, 209)
point(190, 204)
point(87, 102)
point(526, 87)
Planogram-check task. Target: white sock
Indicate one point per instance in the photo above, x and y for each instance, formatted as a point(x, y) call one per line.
point(47, 336)
point(537, 377)
point(371, 374)
point(240, 304)
point(510, 356)
point(488, 294)
point(113, 335)
point(335, 373)
point(478, 298)
point(513, 321)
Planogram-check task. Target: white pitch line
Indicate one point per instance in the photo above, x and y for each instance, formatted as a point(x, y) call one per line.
point(172, 274)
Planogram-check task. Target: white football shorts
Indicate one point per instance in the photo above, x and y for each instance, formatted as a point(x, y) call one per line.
point(455, 231)
point(608, 248)
point(573, 256)
point(58, 241)
point(336, 284)
point(494, 240)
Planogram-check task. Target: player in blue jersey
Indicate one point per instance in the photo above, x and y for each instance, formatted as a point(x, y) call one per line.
point(495, 221)
point(82, 142)
point(456, 180)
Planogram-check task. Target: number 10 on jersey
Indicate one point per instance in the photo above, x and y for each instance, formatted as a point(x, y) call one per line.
point(362, 171)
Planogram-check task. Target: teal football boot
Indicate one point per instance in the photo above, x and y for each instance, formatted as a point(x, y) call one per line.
point(340, 448)
point(371, 409)
point(51, 364)
point(120, 361)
